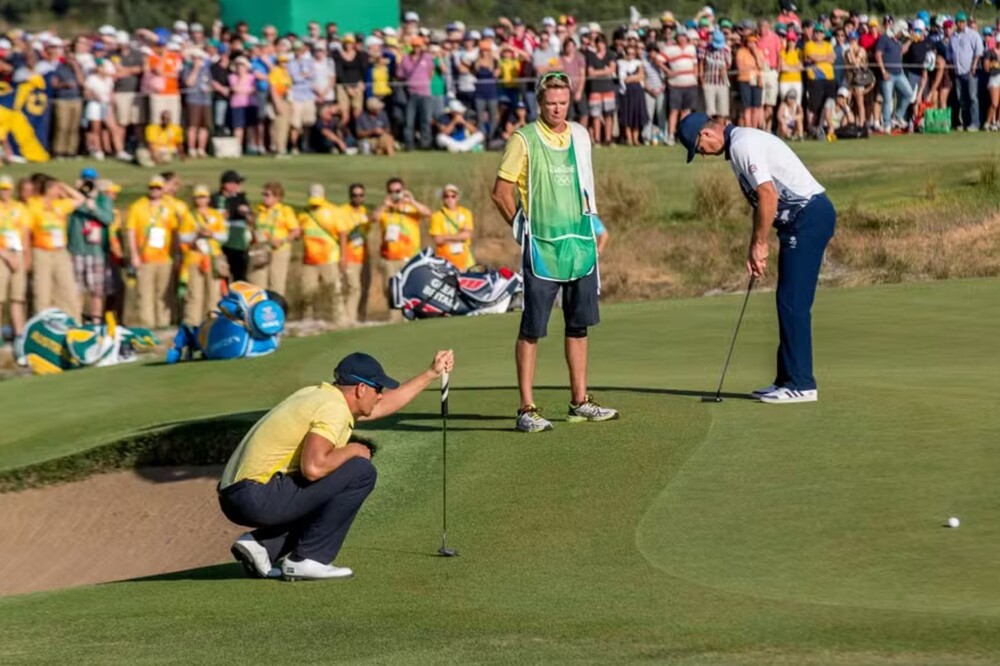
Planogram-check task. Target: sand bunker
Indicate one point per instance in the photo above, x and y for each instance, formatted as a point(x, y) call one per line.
point(112, 527)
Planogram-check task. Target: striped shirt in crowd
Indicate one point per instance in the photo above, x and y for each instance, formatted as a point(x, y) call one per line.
point(683, 65)
point(654, 79)
point(716, 66)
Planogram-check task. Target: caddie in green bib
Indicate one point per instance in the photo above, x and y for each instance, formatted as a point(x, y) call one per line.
point(559, 231)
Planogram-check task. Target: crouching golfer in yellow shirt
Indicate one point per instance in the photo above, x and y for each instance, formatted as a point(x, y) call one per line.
point(298, 479)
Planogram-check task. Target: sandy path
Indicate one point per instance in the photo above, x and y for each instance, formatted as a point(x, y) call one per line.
point(112, 527)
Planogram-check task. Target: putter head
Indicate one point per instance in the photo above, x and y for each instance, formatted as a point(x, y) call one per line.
point(711, 398)
point(447, 552)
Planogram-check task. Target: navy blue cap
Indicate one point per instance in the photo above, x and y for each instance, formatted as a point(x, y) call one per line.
point(359, 368)
point(688, 130)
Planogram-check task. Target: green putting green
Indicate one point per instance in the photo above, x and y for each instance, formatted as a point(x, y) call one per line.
point(733, 533)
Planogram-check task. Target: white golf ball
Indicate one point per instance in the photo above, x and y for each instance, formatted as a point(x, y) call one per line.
point(954, 522)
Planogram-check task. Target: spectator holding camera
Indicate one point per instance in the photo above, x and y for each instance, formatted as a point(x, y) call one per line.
point(88, 244)
point(399, 218)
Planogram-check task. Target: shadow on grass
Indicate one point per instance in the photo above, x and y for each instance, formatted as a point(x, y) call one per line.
point(231, 571)
point(685, 393)
point(409, 422)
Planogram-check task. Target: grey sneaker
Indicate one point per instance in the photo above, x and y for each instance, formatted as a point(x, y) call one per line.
point(530, 419)
point(589, 410)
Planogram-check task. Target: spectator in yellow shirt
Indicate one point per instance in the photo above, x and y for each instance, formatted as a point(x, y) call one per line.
point(281, 85)
point(325, 238)
point(152, 225)
point(164, 140)
point(357, 273)
point(202, 233)
point(52, 280)
point(14, 260)
point(451, 230)
point(399, 220)
point(275, 227)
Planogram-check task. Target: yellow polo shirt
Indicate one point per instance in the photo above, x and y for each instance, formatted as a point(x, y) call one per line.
point(14, 221)
point(321, 227)
point(356, 225)
point(154, 224)
point(277, 222)
point(514, 163)
point(400, 232)
point(274, 444)
point(48, 224)
point(446, 222)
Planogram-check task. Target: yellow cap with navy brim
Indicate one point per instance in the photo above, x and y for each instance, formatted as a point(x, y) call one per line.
point(202, 191)
point(156, 181)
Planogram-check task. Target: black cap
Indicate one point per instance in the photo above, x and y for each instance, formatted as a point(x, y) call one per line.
point(231, 177)
point(359, 368)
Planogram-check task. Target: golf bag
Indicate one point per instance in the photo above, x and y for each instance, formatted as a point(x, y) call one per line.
point(54, 342)
point(429, 286)
point(248, 323)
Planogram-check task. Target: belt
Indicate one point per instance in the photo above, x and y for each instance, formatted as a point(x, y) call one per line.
point(236, 486)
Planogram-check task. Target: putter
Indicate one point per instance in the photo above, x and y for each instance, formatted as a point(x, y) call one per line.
point(444, 550)
point(739, 322)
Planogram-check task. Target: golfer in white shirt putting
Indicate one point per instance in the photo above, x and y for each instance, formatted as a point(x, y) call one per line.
point(784, 195)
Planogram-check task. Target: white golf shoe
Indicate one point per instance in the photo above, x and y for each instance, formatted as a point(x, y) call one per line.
point(253, 556)
point(770, 388)
point(589, 410)
point(787, 396)
point(312, 570)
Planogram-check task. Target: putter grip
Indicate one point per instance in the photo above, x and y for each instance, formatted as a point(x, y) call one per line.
point(445, 385)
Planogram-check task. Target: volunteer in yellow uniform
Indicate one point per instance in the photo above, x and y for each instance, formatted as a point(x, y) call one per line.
point(275, 227)
point(52, 281)
point(14, 260)
point(356, 278)
point(399, 220)
point(325, 239)
point(299, 479)
point(451, 230)
point(202, 233)
point(152, 226)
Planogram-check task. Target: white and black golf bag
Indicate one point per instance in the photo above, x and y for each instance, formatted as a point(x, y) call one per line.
point(429, 286)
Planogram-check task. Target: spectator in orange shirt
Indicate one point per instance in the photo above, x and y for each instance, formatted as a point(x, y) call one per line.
point(152, 233)
point(162, 78)
point(325, 240)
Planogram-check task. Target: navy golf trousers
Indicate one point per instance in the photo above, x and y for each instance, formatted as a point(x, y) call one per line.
point(803, 241)
point(307, 519)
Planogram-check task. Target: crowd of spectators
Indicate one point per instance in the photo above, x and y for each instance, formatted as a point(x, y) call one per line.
point(75, 248)
point(153, 95)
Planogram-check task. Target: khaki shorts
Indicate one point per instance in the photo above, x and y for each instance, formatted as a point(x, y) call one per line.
point(303, 114)
point(770, 95)
point(128, 110)
point(13, 284)
point(160, 103)
point(345, 101)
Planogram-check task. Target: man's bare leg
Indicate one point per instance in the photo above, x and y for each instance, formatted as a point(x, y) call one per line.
point(526, 354)
point(576, 359)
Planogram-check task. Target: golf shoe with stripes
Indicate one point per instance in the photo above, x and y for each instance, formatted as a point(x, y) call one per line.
point(312, 570)
point(530, 419)
point(589, 410)
point(787, 396)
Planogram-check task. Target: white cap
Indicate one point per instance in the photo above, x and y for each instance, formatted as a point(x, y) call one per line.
point(476, 35)
point(644, 22)
point(372, 40)
point(389, 32)
point(594, 26)
point(843, 92)
point(5, 43)
point(585, 30)
point(107, 31)
point(708, 10)
point(180, 26)
point(173, 45)
point(460, 26)
point(918, 24)
point(54, 41)
point(122, 37)
point(411, 16)
point(631, 34)
point(197, 27)
point(549, 21)
point(456, 107)
point(863, 19)
point(316, 190)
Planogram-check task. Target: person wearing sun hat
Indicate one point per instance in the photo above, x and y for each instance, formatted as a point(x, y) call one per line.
point(152, 226)
point(201, 236)
point(324, 236)
point(784, 195)
point(299, 477)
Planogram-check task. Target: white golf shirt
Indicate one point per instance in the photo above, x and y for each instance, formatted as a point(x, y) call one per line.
point(758, 157)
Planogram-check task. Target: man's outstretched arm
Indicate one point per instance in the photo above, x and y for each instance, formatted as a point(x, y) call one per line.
point(394, 400)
